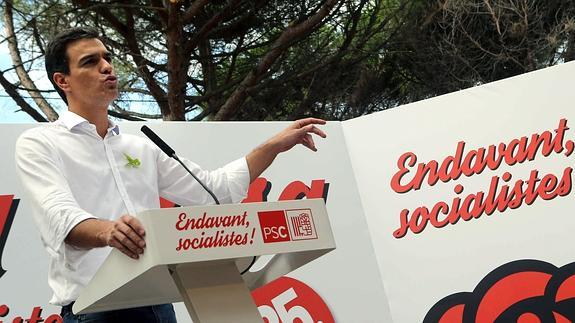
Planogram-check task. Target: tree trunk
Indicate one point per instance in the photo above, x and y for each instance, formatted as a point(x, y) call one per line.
point(570, 51)
point(23, 76)
point(177, 65)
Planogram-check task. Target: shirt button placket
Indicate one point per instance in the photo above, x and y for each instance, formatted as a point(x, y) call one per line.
point(116, 172)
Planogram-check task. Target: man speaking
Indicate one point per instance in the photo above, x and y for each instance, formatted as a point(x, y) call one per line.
point(87, 179)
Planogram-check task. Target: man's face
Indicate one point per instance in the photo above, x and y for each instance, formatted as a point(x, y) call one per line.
point(91, 82)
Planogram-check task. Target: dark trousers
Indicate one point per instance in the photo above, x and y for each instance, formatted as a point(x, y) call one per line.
point(156, 313)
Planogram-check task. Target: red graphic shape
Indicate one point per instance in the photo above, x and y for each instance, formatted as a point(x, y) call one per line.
point(509, 291)
point(454, 314)
point(258, 190)
point(289, 300)
point(298, 190)
point(8, 206)
point(528, 318)
point(566, 290)
point(164, 203)
point(525, 291)
point(274, 226)
point(560, 318)
point(5, 204)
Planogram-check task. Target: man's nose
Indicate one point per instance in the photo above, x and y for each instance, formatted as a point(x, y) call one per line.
point(106, 66)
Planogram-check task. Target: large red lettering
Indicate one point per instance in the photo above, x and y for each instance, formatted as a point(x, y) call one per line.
point(261, 187)
point(35, 316)
point(474, 162)
point(8, 206)
point(298, 190)
point(258, 191)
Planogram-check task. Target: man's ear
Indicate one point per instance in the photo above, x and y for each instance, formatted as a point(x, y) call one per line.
point(61, 80)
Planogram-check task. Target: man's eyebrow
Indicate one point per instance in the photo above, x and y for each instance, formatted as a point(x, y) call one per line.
point(87, 58)
point(94, 55)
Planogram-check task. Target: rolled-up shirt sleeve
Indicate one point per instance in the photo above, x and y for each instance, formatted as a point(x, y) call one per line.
point(229, 183)
point(39, 168)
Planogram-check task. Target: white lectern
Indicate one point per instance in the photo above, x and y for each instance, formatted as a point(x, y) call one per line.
point(196, 254)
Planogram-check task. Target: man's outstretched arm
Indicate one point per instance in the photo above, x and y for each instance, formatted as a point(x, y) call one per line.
point(299, 132)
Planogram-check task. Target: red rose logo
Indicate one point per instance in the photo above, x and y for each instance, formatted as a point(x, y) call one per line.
point(523, 291)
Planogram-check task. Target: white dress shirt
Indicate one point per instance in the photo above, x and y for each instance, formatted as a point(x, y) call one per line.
point(72, 174)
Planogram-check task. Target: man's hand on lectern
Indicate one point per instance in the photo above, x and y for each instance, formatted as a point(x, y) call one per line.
point(127, 235)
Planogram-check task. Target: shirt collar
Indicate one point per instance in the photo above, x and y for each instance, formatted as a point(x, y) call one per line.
point(113, 127)
point(71, 120)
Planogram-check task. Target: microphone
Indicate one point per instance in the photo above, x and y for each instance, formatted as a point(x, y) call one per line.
point(158, 141)
point(171, 153)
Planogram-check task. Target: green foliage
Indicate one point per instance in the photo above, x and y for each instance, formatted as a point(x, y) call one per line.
point(454, 44)
point(270, 60)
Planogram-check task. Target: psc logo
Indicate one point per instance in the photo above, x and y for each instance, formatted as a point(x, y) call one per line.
point(274, 226)
point(8, 206)
point(280, 225)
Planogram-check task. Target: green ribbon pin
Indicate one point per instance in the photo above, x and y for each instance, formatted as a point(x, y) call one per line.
point(132, 162)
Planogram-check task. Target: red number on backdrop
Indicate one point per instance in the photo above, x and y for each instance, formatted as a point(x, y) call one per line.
point(288, 300)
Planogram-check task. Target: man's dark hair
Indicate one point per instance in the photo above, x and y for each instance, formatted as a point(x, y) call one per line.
point(56, 59)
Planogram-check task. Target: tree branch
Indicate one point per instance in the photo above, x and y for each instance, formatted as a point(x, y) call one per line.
point(23, 76)
point(209, 25)
point(118, 112)
point(128, 32)
point(13, 93)
point(193, 11)
point(283, 42)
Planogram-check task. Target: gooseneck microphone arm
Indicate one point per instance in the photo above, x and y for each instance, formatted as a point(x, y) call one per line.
point(171, 153)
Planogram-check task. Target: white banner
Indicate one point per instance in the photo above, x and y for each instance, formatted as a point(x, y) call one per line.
point(468, 198)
